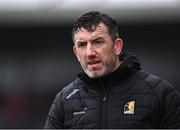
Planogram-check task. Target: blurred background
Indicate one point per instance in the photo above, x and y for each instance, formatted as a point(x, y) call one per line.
point(36, 58)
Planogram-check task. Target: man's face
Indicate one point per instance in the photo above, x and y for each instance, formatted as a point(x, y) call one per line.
point(96, 52)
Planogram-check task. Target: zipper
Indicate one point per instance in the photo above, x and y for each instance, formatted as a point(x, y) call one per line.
point(103, 109)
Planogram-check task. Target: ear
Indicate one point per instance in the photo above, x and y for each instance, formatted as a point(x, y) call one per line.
point(118, 46)
point(75, 52)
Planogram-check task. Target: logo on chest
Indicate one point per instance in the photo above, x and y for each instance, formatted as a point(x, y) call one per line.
point(129, 107)
point(72, 93)
point(83, 111)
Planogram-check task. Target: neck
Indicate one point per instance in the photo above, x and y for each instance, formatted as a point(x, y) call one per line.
point(117, 64)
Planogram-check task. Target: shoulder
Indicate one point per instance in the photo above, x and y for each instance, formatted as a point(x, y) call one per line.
point(153, 81)
point(160, 87)
point(167, 97)
point(70, 89)
point(148, 78)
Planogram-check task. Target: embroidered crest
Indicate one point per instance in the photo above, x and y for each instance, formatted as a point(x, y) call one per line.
point(129, 107)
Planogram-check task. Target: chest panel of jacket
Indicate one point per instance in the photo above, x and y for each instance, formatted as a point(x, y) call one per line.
point(132, 108)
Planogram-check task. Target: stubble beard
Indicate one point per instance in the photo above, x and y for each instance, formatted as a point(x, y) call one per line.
point(107, 68)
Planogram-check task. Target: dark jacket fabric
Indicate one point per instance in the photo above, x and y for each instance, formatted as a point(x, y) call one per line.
point(129, 97)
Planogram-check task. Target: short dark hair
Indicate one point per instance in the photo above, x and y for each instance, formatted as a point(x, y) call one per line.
point(91, 20)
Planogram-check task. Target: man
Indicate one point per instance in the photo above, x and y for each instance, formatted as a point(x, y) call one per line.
point(113, 91)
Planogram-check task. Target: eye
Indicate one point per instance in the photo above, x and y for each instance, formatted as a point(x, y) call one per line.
point(81, 44)
point(98, 42)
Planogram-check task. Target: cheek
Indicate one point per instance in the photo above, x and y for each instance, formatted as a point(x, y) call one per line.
point(80, 57)
point(108, 53)
point(109, 56)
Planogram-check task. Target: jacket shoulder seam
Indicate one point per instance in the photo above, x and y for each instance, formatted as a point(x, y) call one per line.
point(144, 80)
point(151, 87)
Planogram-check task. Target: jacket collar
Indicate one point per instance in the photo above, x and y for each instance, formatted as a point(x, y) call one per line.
point(129, 66)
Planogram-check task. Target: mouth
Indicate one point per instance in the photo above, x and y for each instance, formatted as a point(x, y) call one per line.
point(93, 62)
point(94, 65)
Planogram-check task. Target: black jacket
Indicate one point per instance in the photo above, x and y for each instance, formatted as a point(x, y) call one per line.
point(127, 98)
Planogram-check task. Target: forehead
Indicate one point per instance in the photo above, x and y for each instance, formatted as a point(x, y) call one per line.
point(83, 34)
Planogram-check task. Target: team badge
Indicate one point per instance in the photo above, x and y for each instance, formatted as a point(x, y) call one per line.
point(129, 107)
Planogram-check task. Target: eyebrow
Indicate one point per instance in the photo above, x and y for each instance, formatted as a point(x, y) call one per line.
point(95, 39)
point(81, 42)
point(98, 38)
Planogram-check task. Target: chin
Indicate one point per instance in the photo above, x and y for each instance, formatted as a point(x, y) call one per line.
point(94, 75)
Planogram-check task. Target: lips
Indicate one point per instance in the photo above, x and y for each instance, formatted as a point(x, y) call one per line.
point(93, 62)
point(94, 65)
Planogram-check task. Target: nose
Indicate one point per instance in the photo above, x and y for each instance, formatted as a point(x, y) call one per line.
point(90, 50)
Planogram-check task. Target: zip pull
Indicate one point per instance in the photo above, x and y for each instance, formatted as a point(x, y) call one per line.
point(104, 99)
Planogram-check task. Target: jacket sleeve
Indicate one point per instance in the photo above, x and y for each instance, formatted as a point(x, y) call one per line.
point(170, 105)
point(55, 117)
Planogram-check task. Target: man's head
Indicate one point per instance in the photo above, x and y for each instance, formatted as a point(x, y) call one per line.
point(96, 44)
